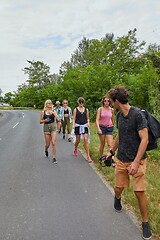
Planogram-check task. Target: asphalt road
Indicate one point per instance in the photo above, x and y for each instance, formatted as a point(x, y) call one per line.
point(40, 200)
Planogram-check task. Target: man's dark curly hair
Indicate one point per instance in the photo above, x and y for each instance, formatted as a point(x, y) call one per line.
point(119, 93)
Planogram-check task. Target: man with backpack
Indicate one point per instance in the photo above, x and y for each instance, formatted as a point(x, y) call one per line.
point(131, 143)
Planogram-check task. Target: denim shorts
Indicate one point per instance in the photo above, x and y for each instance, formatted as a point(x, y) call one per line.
point(106, 130)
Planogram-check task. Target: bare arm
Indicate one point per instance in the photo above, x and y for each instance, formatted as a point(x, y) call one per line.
point(74, 118)
point(88, 118)
point(97, 121)
point(143, 134)
point(115, 144)
point(113, 116)
point(41, 118)
point(143, 144)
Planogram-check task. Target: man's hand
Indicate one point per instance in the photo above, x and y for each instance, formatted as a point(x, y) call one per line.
point(133, 168)
point(108, 154)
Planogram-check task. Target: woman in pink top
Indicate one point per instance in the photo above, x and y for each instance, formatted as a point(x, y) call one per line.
point(105, 124)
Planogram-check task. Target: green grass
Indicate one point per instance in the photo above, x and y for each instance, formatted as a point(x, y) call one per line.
point(129, 199)
point(6, 108)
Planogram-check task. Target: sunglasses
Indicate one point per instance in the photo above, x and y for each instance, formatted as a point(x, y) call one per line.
point(65, 103)
point(106, 100)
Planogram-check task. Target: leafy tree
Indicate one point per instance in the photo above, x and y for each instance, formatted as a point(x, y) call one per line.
point(38, 73)
point(96, 66)
point(153, 54)
point(7, 97)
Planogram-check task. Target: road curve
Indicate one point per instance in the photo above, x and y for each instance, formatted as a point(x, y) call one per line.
point(40, 200)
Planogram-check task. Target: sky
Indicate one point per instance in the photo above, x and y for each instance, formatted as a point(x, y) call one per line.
point(50, 30)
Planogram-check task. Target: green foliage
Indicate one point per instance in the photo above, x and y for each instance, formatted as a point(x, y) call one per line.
point(8, 97)
point(94, 68)
point(38, 73)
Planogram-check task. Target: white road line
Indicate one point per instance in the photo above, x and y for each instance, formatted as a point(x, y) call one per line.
point(16, 125)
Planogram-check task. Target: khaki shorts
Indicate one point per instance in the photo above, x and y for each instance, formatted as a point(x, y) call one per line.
point(123, 178)
point(50, 127)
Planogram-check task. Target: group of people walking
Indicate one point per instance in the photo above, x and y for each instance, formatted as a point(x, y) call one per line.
point(129, 144)
point(60, 118)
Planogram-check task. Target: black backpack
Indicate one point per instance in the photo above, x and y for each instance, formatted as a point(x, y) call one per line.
point(153, 129)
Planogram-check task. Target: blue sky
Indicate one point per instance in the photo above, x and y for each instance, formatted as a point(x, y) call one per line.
point(50, 30)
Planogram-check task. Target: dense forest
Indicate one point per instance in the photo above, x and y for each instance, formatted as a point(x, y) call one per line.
point(95, 67)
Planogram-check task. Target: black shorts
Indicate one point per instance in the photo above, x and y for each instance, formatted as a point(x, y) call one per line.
point(77, 132)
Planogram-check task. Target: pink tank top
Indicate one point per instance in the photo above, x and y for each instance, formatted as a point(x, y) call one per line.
point(106, 118)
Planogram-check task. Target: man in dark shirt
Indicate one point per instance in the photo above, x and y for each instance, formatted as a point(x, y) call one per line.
point(130, 143)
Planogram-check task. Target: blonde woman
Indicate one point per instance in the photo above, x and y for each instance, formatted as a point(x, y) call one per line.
point(48, 117)
point(66, 119)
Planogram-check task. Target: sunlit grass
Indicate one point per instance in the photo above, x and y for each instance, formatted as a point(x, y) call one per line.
point(6, 108)
point(129, 199)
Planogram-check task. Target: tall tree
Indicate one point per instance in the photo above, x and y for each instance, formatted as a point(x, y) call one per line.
point(38, 74)
point(7, 97)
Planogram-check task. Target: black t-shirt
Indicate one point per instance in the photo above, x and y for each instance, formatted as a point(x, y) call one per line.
point(129, 140)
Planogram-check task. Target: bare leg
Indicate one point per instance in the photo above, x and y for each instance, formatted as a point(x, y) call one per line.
point(118, 191)
point(102, 144)
point(47, 141)
point(54, 137)
point(143, 205)
point(86, 144)
point(77, 141)
point(109, 141)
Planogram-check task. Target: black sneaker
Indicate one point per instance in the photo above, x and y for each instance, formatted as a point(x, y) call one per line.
point(69, 139)
point(54, 160)
point(63, 136)
point(117, 204)
point(146, 230)
point(46, 153)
